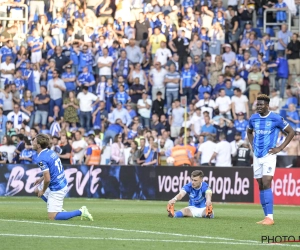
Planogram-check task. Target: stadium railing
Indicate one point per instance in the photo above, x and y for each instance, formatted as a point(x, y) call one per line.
point(21, 19)
point(265, 24)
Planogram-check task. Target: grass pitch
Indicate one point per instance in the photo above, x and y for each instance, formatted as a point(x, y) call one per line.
point(139, 225)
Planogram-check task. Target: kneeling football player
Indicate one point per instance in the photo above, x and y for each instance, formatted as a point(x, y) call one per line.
point(200, 194)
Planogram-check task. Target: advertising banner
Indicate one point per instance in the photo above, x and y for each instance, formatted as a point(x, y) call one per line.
point(227, 184)
point(132, 182)
point(285, 187)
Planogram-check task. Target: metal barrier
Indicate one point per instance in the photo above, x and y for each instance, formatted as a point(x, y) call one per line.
point(289, 19)
point(22, 19)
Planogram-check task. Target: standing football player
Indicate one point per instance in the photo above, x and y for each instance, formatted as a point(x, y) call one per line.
point(200, 194)
point(266, 126)
point(55, 182)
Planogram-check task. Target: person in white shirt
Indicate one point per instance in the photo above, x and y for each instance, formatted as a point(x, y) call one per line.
point(206, 104)
point(239, 82)
point(144, 109)
point(104, 63)
point(162, 54)
point(56, 87)
point(7, 71)
point(239, 104)
point(197, 122)
point(222, 153)
point(236, 144)
point(17, 117)
point(274, 101)
point(223, 103)
point(78, 148)
point(120, 113)
point(86, 102)
point(206, 150)
point(156, 79)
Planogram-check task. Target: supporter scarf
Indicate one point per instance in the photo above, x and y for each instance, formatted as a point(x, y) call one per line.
point(126, 66)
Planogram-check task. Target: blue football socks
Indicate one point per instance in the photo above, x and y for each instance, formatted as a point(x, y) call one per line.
point(67, 215)
point(262, 201)
point(178, 214)
point(269, 202)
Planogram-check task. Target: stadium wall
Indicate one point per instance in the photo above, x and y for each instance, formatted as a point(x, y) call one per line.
point(235, 184)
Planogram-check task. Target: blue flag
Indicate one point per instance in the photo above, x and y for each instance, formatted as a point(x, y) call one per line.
point(30, 82)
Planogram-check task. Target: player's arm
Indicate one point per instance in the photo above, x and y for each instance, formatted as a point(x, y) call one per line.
point(208, 195)
point(177, 197)
point(46, 175)
point(250, 136)
point(290, 135)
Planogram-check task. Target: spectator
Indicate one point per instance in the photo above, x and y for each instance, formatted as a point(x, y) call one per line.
point(61, 61)
point(158, 105)
point(3, 120)
point(151, 156)
point(144, 109)
point(56, 87)
point(274, 102)
point(208, 128)
point(239, 104)
point(156, 79)
point(8, 147)
point(255, 80)
point(86, 102)
point(189, 79)
point(104, 63)
point(42, 102)
point(7, 71)
point(283, 38)
point(66, 150)
point(93, 153)
point(241, 124)
point(207, 104)
point(17, 117)
point(293, 117)
point(137, 72)
point(78, 148)
point(223, 103)
point(177, 119)
point(222, 153)
point(293, 53)
point(206, 150)
point(69, 78)
point(70, 106)
point(117, 151)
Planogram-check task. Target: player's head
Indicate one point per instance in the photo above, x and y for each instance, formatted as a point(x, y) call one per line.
point(262, 106)
point(41, 142)
point(197, 177)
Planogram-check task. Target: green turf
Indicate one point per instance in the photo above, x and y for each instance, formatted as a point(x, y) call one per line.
point(145, 226)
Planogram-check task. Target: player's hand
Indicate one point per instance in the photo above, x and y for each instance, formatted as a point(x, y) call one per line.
point(274, 151)
point(40, 193)
point(37, 182)
point(171, 202)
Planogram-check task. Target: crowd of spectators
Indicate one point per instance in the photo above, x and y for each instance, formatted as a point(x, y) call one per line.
point(113, 73)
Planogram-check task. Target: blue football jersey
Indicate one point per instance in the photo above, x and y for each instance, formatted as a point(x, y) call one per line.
point(197, 196)
point(49, 161)
point(266, 129)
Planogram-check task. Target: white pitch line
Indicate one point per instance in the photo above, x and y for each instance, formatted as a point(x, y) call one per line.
point(130, 230)
point(145, 240)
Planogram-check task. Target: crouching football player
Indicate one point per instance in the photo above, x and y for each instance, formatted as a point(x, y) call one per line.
point(200, 194)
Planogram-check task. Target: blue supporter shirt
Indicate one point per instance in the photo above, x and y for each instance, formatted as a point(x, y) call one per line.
point(122, 97)
point(280, 14)
point(204, 45)
point(115, 127)
point(28, 153)
point(202, 89)
point(266, 131)
point(86, 77)
point(241, 126)
point(4, 52)
point(48, 160)
point(187, 78)
point(70, 86)
point(197, 196)
point(282, 67)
